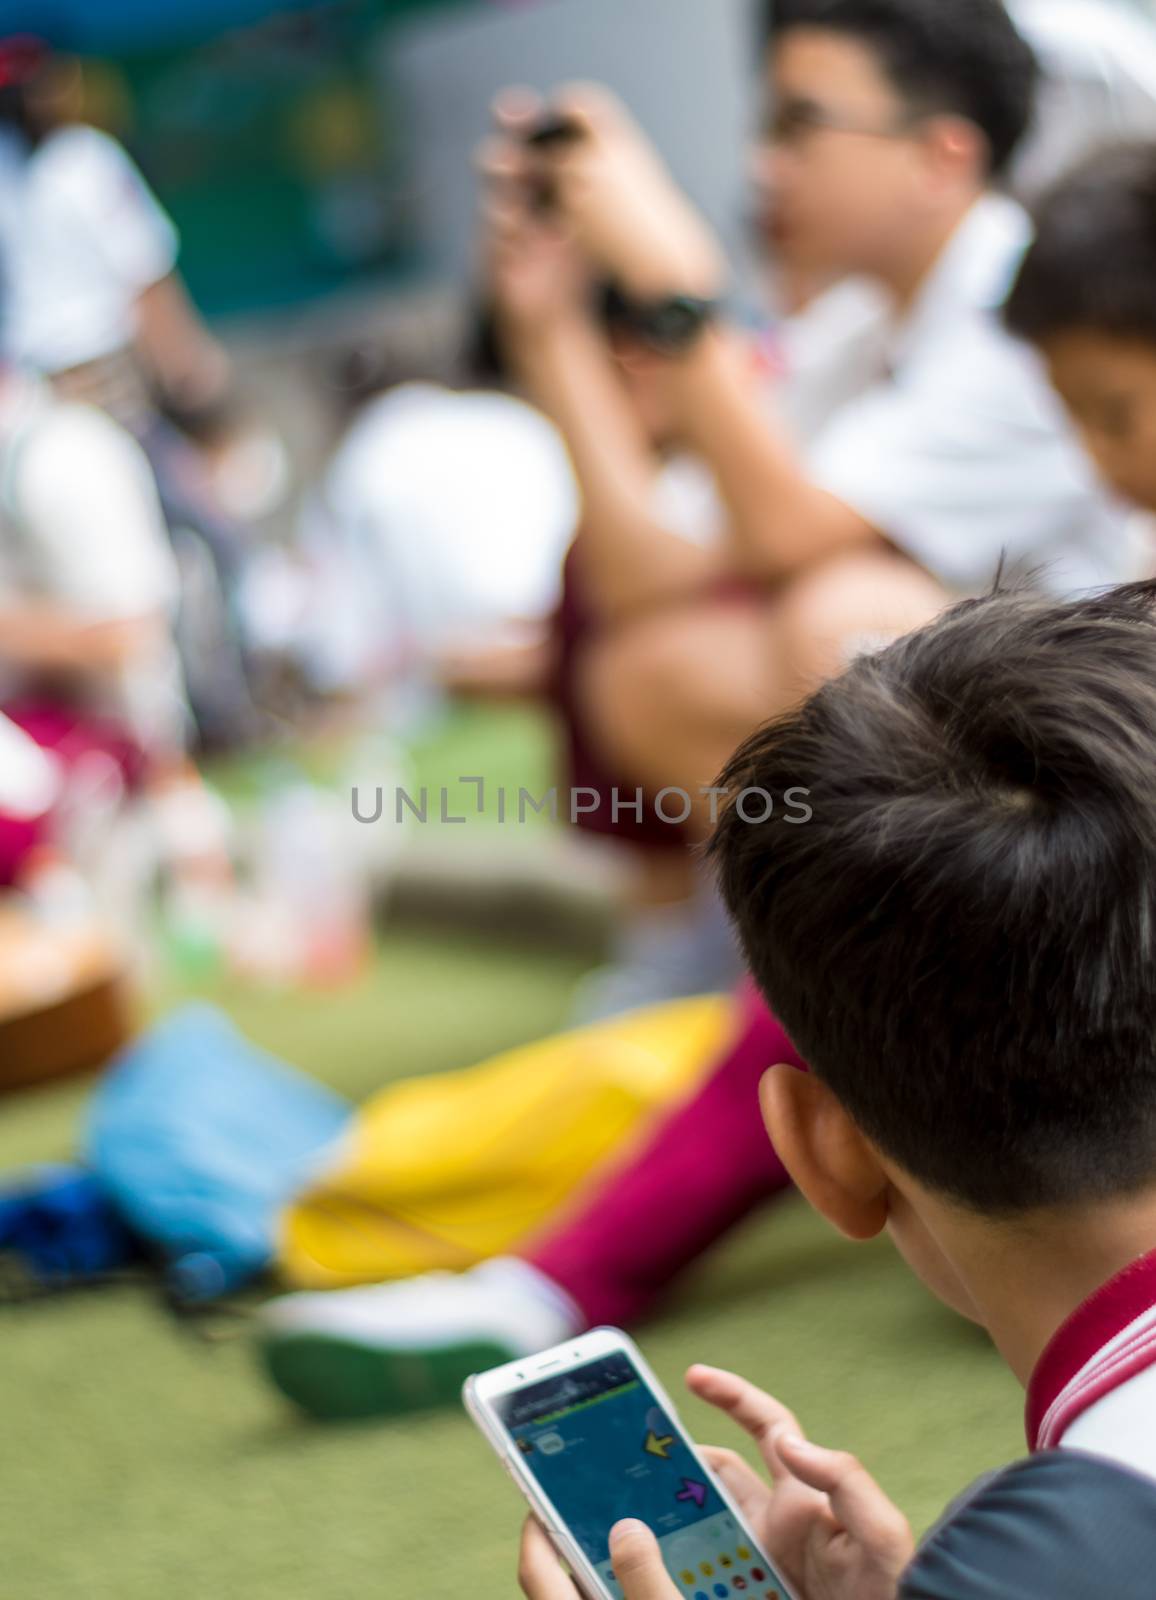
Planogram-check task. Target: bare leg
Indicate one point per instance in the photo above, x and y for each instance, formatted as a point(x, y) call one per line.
point(669, 698)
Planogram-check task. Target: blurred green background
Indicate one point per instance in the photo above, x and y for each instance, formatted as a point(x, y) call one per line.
point(271, 132)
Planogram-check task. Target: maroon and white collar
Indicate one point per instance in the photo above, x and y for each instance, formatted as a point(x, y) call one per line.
point(1105, 1342)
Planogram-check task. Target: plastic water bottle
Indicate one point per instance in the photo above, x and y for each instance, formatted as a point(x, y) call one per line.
point(313, 885)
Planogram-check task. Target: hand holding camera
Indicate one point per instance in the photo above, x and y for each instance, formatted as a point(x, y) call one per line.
point(578, 182)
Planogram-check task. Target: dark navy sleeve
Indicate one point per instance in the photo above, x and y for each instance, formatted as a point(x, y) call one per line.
point(1061, 1526)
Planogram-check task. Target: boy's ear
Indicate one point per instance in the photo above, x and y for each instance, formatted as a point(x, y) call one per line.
point(836, 1168)
point(955, 146)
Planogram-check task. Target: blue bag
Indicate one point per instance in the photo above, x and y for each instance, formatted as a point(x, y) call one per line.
point(199, 1139)
point(59, 1228)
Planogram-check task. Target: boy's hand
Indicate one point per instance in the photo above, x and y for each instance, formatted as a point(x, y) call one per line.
point(633, 1549)
point(822, 1519)
point(538, 279)
point(537, 272)
point(622, 206)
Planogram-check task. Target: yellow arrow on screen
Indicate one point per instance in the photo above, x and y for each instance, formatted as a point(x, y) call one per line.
point(660, 1446)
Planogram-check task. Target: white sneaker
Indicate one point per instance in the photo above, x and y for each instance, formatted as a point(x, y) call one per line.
point(399, 1347)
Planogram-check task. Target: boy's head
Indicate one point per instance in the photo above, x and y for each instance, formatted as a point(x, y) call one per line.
point(885, 113)
point(40, 89)
point(1086, 296)
point(962, 939)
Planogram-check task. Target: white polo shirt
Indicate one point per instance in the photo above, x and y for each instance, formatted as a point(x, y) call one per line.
point(443, 519)
point(81, 528)
point(942, 431)
point(1094, 1387)
point(81, 237)
point(80, 518)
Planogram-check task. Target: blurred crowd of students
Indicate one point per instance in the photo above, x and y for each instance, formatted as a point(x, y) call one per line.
point(129, 582)
point(110, 385)
point(755, 510)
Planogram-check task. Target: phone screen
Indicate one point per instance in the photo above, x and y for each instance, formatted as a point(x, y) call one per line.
point(602, 1448)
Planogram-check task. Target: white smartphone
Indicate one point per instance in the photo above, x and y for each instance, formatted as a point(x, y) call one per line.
point(590, 1436)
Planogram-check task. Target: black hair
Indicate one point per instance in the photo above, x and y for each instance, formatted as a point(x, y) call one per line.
point(963, 57)
point(17, 116)
point(1093, 263)
point(485, 362)
point(27, 57)
point(961, 940)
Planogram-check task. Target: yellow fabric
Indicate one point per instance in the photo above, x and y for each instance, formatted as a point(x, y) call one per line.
point(443, 1172)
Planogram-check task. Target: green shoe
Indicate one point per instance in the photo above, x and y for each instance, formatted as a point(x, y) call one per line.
point(394, 1348)
point(336, 1379)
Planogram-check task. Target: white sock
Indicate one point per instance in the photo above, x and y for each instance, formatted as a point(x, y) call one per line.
point(506, 1301)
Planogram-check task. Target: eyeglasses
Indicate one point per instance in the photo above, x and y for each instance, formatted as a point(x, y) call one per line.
point(794, 125)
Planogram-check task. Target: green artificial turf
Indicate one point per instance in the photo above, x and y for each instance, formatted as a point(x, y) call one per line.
point(139, 1462)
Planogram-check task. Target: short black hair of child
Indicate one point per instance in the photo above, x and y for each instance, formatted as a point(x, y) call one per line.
point(962, 939)
point(1093, 264)
point(963, 57)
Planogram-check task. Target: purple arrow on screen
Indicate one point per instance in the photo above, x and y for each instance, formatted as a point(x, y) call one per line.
point(694, 1491)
